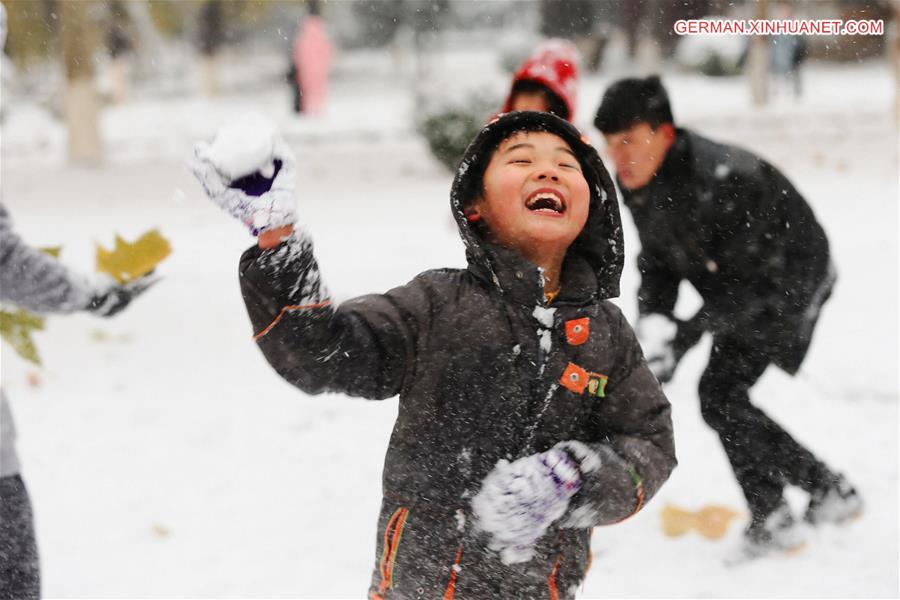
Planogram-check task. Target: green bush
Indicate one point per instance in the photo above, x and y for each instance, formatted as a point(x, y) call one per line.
point(449, 129)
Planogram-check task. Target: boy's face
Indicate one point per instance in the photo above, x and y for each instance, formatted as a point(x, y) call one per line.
point(535, 199)
point(638, 152)
point(536, 101)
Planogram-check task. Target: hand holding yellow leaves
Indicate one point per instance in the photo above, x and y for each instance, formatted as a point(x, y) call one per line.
point(126, 263)
point(130, 260)
point(710, 521)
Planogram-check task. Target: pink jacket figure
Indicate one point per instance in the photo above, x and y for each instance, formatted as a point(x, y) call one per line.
point(312, 57)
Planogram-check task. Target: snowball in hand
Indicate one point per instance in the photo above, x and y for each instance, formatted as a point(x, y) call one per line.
point(249, 172)
point(656, 333)
point(244, 147)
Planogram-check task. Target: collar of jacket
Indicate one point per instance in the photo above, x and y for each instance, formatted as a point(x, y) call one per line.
point(521, 281)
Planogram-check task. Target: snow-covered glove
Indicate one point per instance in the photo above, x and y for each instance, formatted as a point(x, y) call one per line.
point(666, 340)
point(519, 500)
point(250, 172)
point(112, 297)
point(657, 333)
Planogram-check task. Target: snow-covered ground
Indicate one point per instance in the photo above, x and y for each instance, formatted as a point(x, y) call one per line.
point(166, 459)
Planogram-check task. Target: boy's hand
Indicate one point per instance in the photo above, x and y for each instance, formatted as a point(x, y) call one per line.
point(260, 195)
point(519, 500)
point(114, 297)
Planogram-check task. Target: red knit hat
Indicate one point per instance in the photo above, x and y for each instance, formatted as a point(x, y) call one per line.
point(555, 66)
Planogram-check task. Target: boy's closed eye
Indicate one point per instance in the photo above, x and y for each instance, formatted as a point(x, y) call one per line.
point(564, 163)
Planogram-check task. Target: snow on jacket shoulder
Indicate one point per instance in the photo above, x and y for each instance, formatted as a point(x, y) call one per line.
point(34, 280)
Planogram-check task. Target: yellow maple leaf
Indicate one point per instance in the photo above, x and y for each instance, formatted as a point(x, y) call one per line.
point(16, 328)
point(52, 250)
point(130, 260)
point(711, 521)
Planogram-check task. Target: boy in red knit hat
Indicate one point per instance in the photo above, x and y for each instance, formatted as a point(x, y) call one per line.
point(547, 81)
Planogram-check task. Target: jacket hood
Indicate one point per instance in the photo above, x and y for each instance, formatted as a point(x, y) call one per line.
point(555, 66)
point(593, 262)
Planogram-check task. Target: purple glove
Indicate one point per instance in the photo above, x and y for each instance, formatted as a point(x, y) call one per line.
point(519, 500)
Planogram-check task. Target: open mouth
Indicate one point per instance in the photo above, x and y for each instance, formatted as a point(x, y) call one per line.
point(546, 201)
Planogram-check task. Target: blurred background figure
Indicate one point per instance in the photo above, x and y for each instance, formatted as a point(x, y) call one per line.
point(292, 77)
point(210, 38)
point(312, 61)
point(119, 45)
point(547, 81)
point(787, 55)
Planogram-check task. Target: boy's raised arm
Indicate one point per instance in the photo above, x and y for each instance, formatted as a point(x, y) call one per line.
point(366, 347)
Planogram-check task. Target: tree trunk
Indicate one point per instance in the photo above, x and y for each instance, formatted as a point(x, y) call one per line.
point(82, 102)
point(150, 50)
point(758, 60)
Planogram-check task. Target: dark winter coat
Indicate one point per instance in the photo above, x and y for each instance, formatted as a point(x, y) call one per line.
point(462, 349)
point(733, 226)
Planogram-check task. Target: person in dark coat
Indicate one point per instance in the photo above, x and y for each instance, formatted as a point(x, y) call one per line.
point(733, 226)
point(527, 412)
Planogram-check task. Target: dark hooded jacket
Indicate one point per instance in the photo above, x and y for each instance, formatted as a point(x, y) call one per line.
point(733, 226)
point(462, 348)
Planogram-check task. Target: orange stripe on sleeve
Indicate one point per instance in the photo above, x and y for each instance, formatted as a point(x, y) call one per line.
point(284, 311)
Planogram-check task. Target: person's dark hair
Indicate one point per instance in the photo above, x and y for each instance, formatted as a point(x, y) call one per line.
point(628, 102)
point(555, 104)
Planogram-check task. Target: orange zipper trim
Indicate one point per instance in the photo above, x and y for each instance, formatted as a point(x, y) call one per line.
point(392, 534)
point(451, 586)
point(551, 579)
